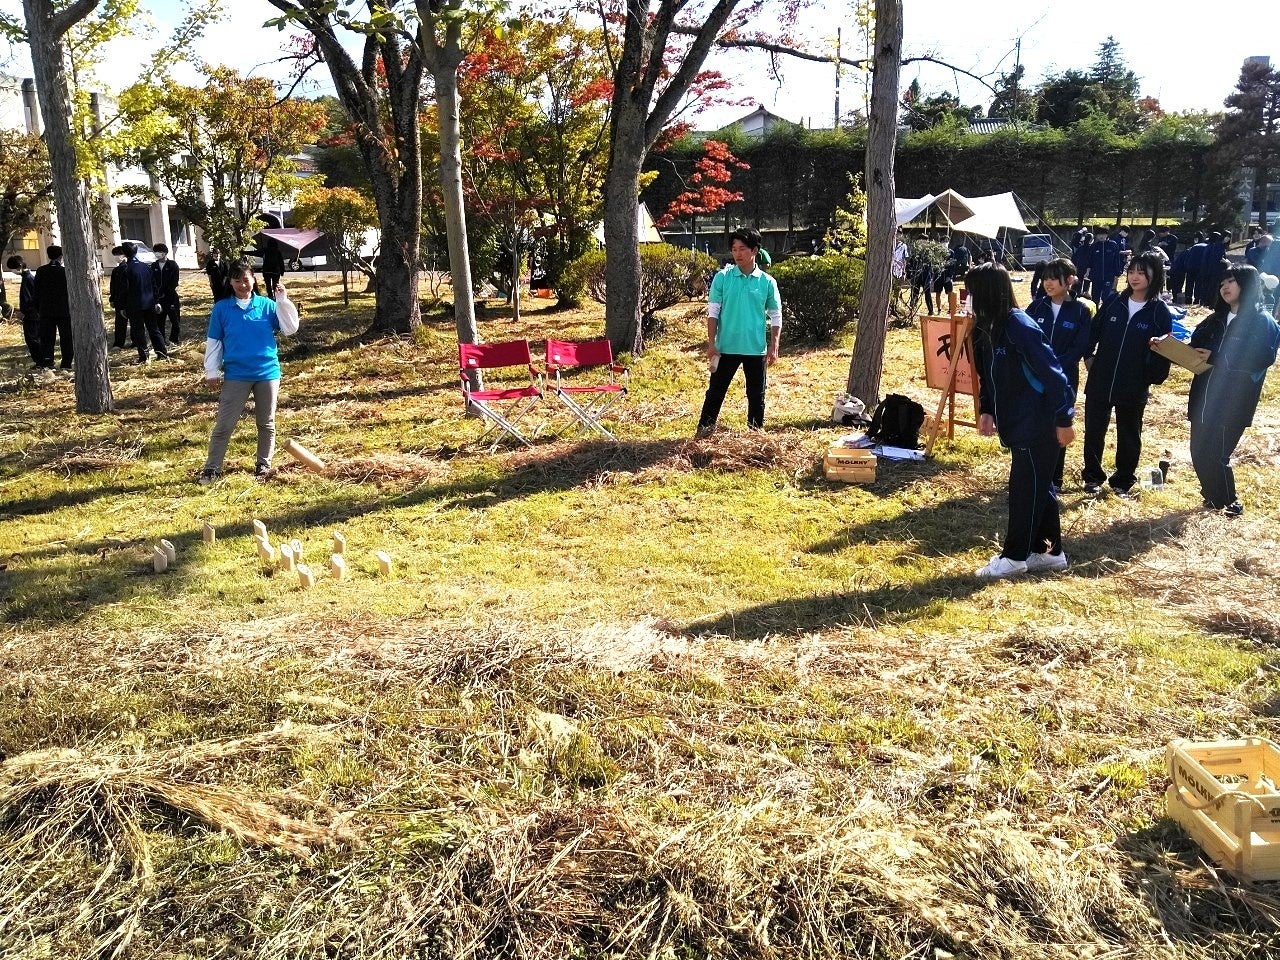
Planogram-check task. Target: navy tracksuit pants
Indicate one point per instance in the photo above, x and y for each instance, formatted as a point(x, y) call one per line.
point(1034, 522)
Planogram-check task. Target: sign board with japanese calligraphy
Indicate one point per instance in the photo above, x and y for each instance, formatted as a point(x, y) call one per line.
point(940, 338)
point(948, 366)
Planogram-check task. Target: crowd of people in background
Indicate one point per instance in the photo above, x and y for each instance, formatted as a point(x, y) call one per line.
point(141, 295)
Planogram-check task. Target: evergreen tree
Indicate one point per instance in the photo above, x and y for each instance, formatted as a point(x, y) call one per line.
point(1249, 135)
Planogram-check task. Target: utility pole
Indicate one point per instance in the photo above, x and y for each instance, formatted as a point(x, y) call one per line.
point(835, 124)
point(1017, 64)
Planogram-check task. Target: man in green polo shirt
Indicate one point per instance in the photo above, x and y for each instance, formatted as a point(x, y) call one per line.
point(744, 322)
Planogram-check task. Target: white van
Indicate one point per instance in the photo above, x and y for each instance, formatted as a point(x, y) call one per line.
point(1036, 248)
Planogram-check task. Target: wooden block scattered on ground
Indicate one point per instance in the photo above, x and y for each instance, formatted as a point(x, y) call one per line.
point(384, 563)
point(306, 579)
point(208, 532)
point(337, 567)
point(159, 561)
point(170, 551)
point(296, 544)
point(339, 543)
point(259, 529)
point(267, 552)
point(304, 456)
point(287, 563)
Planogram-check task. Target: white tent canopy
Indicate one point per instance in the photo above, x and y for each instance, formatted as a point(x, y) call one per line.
point(984, 216)
point(644, 222)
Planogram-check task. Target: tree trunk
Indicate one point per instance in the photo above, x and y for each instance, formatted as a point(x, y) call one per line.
point(84, 273)
point(867, 363)
point(622, 237)
point(448, 101)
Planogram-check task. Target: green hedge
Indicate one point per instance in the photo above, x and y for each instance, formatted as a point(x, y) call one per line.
point(819, 296)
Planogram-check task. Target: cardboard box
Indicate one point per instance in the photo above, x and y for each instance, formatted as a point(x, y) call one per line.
point(1181, 354)
point(1226, 795)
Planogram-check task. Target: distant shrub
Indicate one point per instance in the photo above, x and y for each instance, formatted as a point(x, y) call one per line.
point(669, 275)
point(819, 295)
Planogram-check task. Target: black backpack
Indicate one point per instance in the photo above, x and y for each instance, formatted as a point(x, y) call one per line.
point(897, 422)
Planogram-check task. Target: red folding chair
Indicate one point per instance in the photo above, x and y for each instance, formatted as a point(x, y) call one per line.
point(500, 406)
point(587, 401)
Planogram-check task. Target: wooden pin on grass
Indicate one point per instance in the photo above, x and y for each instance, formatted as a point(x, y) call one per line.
point(384, 563)
point(306, 579)
point(287, 563)
point(337, 567)
point(170, 551)
point(296, 544)
point(267, 553)
point(159, 561)
point(339, 543)
point(304, 456)
point(208, 532)
point(259, 529)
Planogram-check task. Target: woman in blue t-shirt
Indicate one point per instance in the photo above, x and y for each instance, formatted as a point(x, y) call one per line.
point(240, 356)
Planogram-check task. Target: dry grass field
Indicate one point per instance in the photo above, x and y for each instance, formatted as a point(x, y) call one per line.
point(666, 698)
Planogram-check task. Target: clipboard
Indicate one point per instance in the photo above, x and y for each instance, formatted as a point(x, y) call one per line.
point(1184, 356)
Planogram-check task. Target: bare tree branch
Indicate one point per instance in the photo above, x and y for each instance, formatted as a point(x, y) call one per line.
point(757, 43)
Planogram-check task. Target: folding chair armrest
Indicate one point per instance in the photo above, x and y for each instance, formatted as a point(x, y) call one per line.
point(620, 369)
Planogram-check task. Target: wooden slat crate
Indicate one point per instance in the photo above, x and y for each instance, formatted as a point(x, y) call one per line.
point(1226, 795)
point(849, 464)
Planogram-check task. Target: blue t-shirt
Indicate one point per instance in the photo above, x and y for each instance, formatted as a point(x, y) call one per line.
point(248, 338)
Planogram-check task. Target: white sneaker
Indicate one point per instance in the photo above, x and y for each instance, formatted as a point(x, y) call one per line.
point(1000, 567)
point(1046, 562)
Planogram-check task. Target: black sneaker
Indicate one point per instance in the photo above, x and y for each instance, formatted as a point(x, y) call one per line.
point(1126, 493)
point(262, 470)
point(1091, 487)
point(1233, 509)
point(207, 477)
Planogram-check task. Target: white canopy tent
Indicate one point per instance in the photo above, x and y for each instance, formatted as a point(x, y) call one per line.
point(644, 222)
point(983, 216)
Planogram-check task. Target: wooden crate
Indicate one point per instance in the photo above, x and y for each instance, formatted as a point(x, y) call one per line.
point(849, 464)
point(1226, 795)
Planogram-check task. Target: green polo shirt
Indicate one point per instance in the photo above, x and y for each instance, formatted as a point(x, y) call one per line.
point(744, 300)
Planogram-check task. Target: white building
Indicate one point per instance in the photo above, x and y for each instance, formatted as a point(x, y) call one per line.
point(147, 223)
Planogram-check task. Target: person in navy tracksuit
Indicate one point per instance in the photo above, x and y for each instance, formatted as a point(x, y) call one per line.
point(1067, 323)
point(1122, 369)
point(1105, 264)
point(1025, 397)
point(1240, 340)
point(1211, 270)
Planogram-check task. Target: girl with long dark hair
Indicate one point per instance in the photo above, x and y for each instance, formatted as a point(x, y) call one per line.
point(1026, 398)
point(1240, 340)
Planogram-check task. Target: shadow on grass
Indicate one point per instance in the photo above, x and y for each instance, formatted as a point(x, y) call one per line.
point(65, 590)
point(875, 597)
point(1192, 904)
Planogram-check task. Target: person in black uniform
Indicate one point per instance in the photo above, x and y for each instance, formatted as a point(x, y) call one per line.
point(272, 267)
point(1024, 396)
point(55, 309)
point(217, 274)
point(29, 314)
point(1240, 340)
point(1122, 370)
point(144, 310)
point(119, 297)
point(166, 281)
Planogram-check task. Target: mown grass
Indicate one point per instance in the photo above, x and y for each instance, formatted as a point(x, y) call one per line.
point(665, 698)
